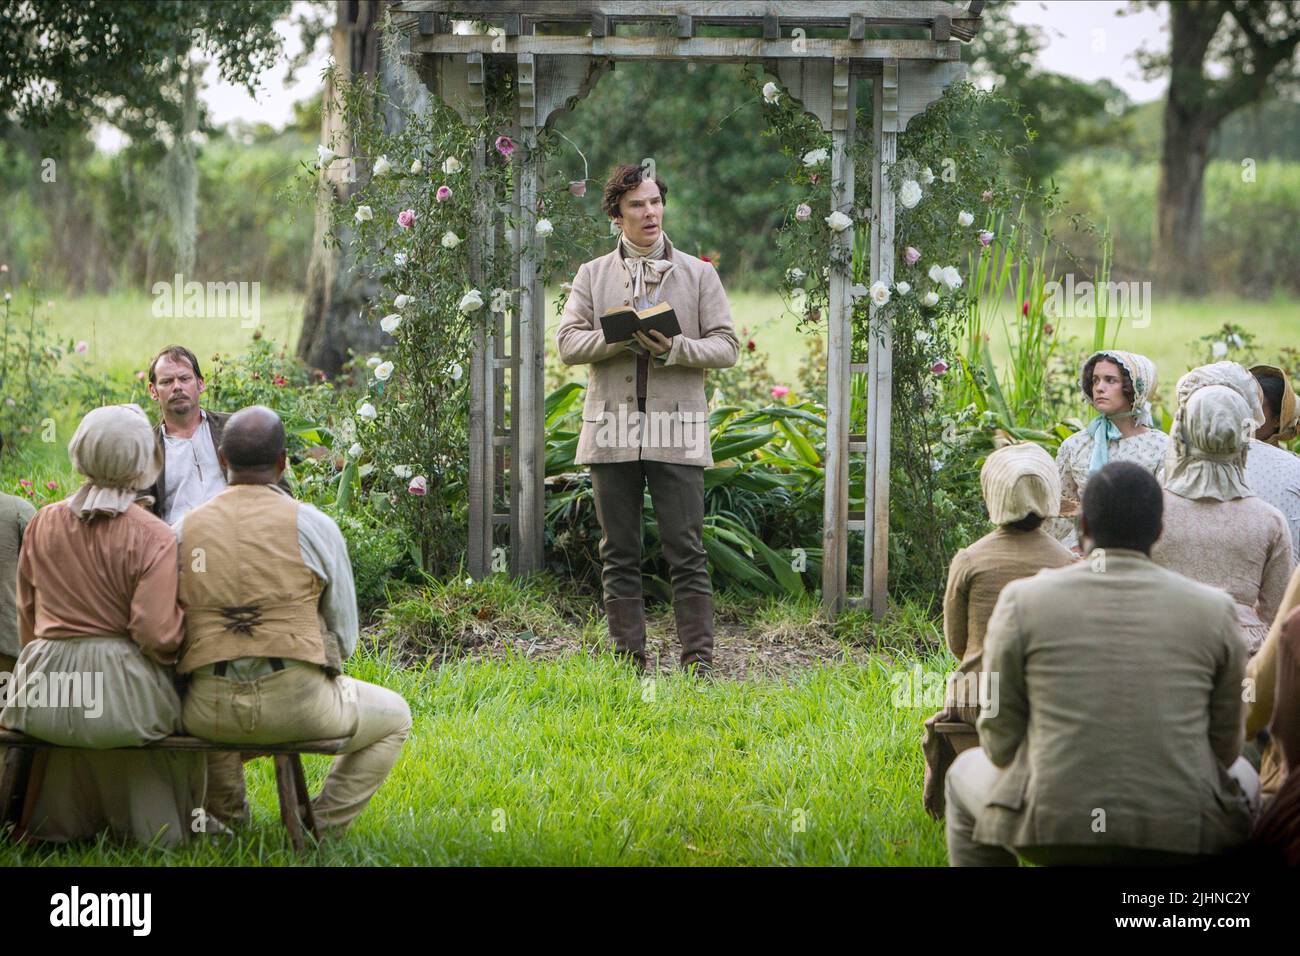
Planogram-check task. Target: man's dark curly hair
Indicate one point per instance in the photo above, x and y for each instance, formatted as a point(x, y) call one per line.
point(625, 178)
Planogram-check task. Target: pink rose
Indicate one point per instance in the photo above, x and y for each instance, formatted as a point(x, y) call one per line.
point(505, 145)
point(780, 391)
point(52, 485)
point(25, 482)
point(802, 211)
point(443, 193)
point(82, 347)
point(912, 256)
point(578, 188)
point(406, 218)
point(987, 195)
point(985, 238)
point(1024, 309)
point(418, 486)
point(939, 366)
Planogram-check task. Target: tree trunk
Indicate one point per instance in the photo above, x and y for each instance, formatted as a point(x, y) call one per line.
point(337, 290)
point(1189, 122)
point(1179, 264)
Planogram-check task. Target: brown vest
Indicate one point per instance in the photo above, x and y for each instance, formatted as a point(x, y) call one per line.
point(244, 585)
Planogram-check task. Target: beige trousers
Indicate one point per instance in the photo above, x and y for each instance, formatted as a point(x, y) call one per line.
point(968, 783)
point(301, 703)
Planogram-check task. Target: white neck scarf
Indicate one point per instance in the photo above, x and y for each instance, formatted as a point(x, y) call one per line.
point(645, 263)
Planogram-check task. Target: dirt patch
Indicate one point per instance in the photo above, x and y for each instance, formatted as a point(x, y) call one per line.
point(744, 648)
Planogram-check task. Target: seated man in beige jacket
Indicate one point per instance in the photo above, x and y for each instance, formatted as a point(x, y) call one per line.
point(270, 611)
point(1117, 731)
point(645, 420)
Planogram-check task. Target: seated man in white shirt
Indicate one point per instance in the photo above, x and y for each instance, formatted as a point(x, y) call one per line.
point(270, 613)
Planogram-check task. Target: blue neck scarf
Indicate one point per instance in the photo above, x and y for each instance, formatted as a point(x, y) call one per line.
point(1103, 432)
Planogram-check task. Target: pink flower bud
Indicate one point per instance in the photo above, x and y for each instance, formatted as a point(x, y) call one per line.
point(443, 193)
point(578, 188)
point(505, 145)
point(912, 256)
point(418, 486)
point(780, 391)
point(985, 238)
point(406, 218)
point(802, 211)
point(939, 366)
point(987, 195)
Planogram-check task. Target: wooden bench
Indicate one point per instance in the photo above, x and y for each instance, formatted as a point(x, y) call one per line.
point(290, 780)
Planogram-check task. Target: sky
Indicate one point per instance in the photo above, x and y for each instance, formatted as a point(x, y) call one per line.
point(1084, 39)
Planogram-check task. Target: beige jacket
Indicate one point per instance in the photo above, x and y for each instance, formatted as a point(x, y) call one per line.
point(1119, 710)
point(676, 426)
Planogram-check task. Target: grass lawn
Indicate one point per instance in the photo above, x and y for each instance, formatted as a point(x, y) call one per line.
point(574, 761)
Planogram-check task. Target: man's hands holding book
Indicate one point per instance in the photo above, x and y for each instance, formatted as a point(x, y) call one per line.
point(654, 341)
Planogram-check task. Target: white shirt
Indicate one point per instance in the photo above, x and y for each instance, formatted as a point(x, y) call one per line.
point(325, 552)
point(193, 473)
point(1274, 476)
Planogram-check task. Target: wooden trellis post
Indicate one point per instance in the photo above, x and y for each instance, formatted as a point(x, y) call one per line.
point(553, 71)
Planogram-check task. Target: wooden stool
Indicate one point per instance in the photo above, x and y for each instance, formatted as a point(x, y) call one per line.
point(959, 734)
point(290, 781)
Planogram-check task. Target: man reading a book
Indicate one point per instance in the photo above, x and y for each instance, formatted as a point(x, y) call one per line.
point(656, 382)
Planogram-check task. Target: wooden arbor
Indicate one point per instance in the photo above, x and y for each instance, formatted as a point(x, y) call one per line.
point(553, 72)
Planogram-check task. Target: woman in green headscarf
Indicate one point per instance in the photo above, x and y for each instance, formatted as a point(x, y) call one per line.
point(1119, 386)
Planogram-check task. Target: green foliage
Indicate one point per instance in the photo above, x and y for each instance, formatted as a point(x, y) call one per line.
point(67, 64)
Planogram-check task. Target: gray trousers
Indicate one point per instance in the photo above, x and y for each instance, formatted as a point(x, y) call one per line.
point(677, 493)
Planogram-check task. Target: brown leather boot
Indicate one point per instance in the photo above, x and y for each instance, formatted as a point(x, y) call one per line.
point(694, 614)
point(627, 628)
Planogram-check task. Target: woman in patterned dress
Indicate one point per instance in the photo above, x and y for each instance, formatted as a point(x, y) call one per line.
point(1119, 386)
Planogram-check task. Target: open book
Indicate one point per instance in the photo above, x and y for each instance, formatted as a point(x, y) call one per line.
point(619, 323)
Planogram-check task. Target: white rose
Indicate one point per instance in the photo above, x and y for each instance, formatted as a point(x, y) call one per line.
point(543, 228)
point(964, 219)
point(815, 156)
point(402, 301)
point(770, 92)
point(382, 166)
point(324, 155)
point(926, 176)
point(902, 288)
point(456, 372)
point(451, 165)
point(373, 361)
point(936, 273)
point(450, 240)
point(909, 194)
point(794, 276)
point(399, 259)
point(365, 214)
point(951, 278)
point(838, 221)
point(368, 412)
point(355, 450)
point(389, 323)
point(879, 293)
point(1235, 340)
point(930, 300)
point(384, 371)
point(471, 301)
point(402, 471)
point(417, 167)
point(1219, 349)
point(500, 300)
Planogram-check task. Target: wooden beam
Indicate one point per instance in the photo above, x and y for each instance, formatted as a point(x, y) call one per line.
point(481, 380)
point(839, 350)
point(807, 13)
point(685, 26)
point(942, 29)
point(703, 49)
point(857, 27)
point(771, 27)
point(530, 464)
